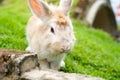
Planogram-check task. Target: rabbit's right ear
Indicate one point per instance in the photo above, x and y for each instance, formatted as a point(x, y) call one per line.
point(40, 9)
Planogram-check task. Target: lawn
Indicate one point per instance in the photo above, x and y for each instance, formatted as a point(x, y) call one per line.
point(95, 52)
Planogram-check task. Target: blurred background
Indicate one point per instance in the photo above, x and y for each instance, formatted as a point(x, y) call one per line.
point(116, 8)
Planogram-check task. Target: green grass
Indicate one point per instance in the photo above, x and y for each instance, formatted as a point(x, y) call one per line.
point(13, 19)
point(95, 53)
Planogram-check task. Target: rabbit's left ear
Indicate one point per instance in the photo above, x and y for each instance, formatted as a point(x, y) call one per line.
point(65, 6)
point(40, 9)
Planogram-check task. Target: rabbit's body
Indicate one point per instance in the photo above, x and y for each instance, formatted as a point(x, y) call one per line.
point(49, 34)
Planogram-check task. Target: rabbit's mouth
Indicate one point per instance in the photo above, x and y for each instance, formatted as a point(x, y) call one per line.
point(65, 50)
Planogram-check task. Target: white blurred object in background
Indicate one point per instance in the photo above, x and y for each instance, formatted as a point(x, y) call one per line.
point(116, 8)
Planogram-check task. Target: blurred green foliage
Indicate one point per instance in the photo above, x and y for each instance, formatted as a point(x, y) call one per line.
point(1, 1)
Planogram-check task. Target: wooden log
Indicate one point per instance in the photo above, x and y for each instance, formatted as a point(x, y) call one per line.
point(55, 75)
point(20, 65)
point(13, 63)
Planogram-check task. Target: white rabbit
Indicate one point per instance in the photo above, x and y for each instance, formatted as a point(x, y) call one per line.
point(50, 33)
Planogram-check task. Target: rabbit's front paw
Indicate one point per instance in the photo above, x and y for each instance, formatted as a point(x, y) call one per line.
point(62, 64)
point(44, 64)
point(28, 49)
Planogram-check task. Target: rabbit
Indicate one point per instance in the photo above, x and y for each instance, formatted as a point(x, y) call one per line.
point(50, 33)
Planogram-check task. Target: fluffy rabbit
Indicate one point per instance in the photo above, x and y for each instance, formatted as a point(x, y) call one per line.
point(50, 33)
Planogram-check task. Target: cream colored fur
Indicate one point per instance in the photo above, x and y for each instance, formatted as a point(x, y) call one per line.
point(50, 33)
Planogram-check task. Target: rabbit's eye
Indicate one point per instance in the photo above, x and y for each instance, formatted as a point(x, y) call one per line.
point(52, 30)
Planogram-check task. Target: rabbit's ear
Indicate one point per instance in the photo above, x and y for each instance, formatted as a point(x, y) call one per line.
point(40, 9)
point(65, 6)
